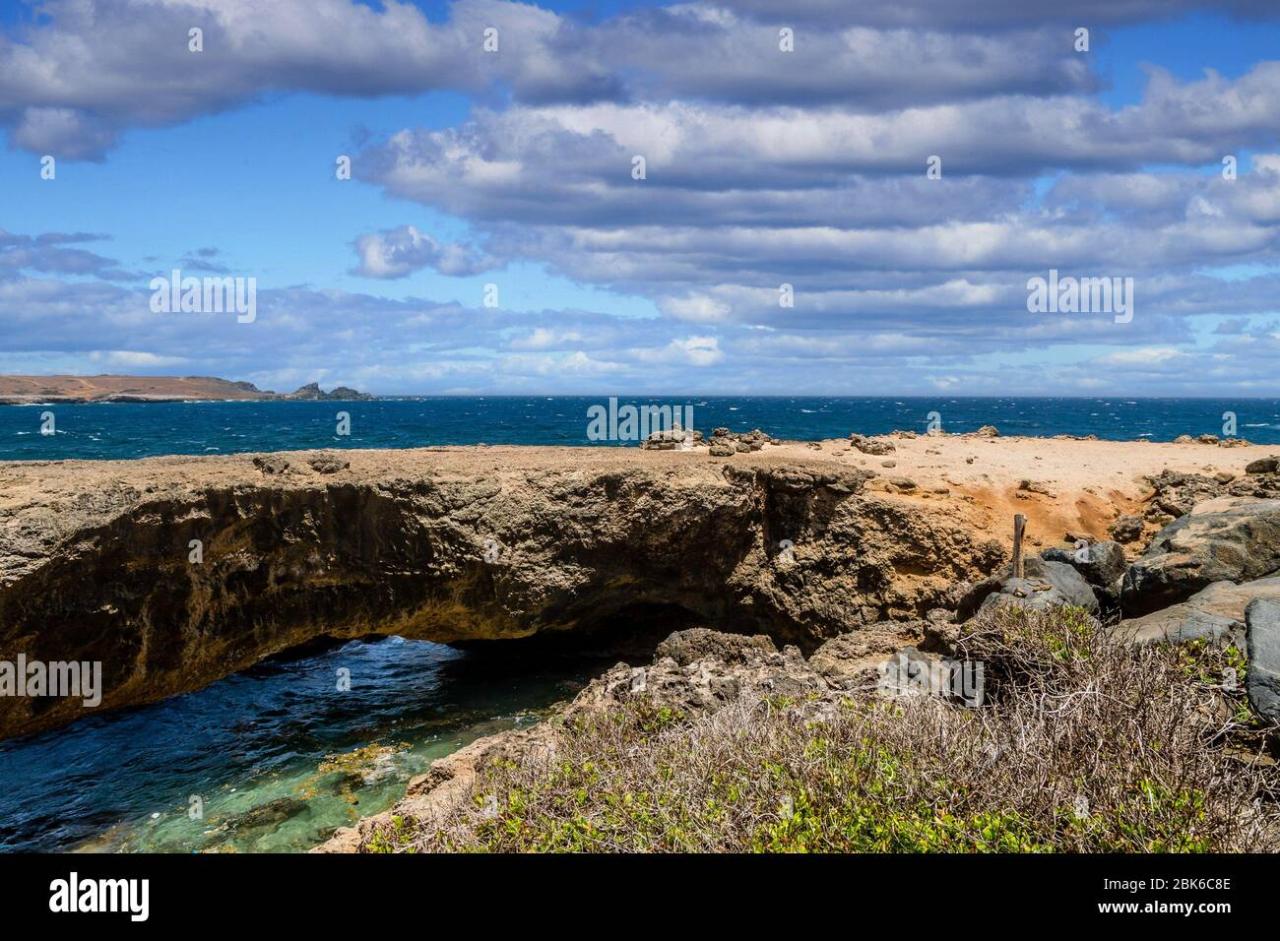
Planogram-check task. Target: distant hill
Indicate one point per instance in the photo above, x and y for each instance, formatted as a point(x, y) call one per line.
point(24, 390)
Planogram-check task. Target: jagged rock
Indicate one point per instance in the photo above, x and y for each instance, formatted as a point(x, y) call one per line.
point(1208, 439)
point(1214, 612)
point(312, 392)
point(877, 447)
point(706, 684)
point(1046, 584)
point(1175, 493)
point(1229, 539)
point(687, 646)
point(1184, 439)
point(327, 464)
point(721, 450)
point(1126, 529)
point(988, 431)
point(1233, 443)
point(271, 464)
point(1262, 679)
point(1263, 465)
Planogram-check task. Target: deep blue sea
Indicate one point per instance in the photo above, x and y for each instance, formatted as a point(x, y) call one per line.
point(126, 430)
point(274, 757)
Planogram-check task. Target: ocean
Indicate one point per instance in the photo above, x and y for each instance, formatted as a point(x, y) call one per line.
point(129, 430)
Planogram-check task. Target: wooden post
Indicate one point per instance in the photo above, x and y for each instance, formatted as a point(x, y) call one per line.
point(1019, 527)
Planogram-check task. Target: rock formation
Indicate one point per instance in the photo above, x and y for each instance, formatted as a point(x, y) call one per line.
point(174, 572)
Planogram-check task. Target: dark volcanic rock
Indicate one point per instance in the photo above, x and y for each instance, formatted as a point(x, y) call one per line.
point(1262, 681)
point(1211, 613)
point(1230, 539)
point(1103, 565)
point(1046, 584)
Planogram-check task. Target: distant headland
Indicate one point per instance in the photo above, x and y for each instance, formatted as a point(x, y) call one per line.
point(25, 390)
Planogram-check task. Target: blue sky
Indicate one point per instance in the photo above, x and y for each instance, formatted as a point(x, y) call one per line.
point(514, 169)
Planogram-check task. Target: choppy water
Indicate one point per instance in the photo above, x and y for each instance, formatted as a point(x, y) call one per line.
point(277, 756)
point(126, 430)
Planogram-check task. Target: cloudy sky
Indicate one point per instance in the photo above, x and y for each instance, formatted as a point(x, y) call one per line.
point(493, 236)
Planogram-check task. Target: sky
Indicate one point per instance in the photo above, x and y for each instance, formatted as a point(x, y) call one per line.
point(496, 234)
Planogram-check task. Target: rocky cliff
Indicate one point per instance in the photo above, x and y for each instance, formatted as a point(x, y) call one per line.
point(174, 572)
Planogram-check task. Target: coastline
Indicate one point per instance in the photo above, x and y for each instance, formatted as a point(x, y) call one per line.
point(358, 542)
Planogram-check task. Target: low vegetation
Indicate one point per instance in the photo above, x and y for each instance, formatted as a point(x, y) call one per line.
point(1082, 745)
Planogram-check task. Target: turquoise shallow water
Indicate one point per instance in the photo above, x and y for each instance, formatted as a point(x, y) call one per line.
point(125, 430)
point(276, 756)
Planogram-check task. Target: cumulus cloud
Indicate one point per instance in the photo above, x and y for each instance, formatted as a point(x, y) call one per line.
point(785, 228)
point(398, 252)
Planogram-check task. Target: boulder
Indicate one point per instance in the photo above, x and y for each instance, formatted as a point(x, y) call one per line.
point(1263, 465)
point(1126, 529)
point(1262, 679)
point(271, 464)
point(1046, 584)
point(874, 446)
point(1229, 539)
point(988, 431)
point(1214, 612)
point(1102, 564)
